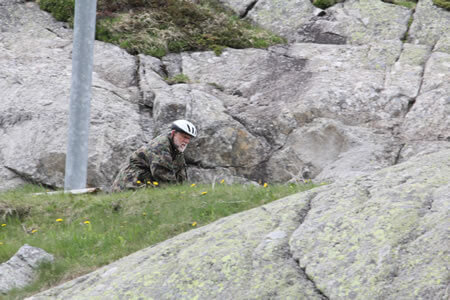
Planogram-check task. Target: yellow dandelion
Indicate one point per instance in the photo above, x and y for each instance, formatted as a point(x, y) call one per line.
point(3, 225)
point(155, 183)
point(148, 182)
point(222, 181)
point(204, 193)
point(265, 184)
point(194, 224)
point(144, 214)
point(138, 182)
point(87, 222)
point(34, 231)
point(193, 185)
point(1, 243)
point(59, 220)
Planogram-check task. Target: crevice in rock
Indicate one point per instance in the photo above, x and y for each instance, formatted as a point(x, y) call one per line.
point(137, 77)
point(55, 33)
point(309, 278)
point(405, 37)
point(248, 9)
point(399, 152)
point(301, 216)
point(412, 101)
point(30, 179)
point(240, 121)
point(114, 92)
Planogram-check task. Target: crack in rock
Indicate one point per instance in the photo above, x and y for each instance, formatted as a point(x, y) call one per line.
point(301, 216)
point(399, 152)
point(248, 9)
point(275, 247)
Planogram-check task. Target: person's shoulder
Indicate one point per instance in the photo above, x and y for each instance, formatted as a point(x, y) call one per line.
point(160, 142)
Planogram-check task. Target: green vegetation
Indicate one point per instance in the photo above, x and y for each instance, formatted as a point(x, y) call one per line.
point(445, 4)
point(87, 231)
point(157, 27)
point(179, 78)
point(324, 4)
point(411, 4)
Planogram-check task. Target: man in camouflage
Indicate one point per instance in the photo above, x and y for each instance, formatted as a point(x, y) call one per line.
point(161, 160)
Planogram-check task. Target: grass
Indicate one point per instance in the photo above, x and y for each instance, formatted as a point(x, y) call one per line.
point(94, 230)
point(445, 4)
point(179, 78)
point(159, 27)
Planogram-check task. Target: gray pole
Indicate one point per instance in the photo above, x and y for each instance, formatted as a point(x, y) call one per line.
point(80, 94)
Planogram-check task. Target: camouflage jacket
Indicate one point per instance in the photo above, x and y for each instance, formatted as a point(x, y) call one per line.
point(159, 161)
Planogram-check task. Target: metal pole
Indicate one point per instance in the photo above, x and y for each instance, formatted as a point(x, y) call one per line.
point(80, 94)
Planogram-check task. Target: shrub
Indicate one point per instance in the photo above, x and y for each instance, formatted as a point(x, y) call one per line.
point(62, 10)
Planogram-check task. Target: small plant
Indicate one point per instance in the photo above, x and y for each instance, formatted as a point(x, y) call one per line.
point(179, 78)
point(324, 4)
point(217, 86)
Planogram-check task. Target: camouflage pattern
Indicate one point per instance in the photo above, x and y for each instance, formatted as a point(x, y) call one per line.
point(158, 161)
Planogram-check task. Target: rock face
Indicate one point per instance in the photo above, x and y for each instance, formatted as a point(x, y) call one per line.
point(355, 90)
point(379, 236)
point(19, 271)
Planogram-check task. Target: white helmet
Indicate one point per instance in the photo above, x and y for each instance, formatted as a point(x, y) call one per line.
point(184, 126)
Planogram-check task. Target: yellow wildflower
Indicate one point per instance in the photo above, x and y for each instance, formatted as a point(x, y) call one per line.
point(3, 225)
point(34, 231)
point(148, 182)
point(144, 214)
point(192, 185)
point(265, 184)
point(222, 181)
point(194, 224)
point(138, 182)
point(1, 243)
point(59, 220)
point(204, 193)
point(87, 222)
point(155, 183)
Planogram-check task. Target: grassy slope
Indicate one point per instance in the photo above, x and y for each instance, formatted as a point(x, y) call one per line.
point(157, 27)
point(95, 230)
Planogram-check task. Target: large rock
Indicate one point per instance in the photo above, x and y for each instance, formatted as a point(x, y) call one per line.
point(263, 114)
point(379, 236)
point(354, 22)
point(20, 270)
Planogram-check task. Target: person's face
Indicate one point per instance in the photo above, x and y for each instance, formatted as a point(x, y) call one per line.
point(180, 140)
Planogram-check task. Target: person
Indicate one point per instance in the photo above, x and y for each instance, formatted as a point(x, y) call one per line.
point(159, 161)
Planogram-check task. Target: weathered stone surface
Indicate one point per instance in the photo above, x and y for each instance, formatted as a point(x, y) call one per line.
point(35, 70)
point(354, 22)
point(19, 270)
point(370, 238)
point(429, 117)
point(282, 17)
point(430, 24)
point(255, 108)
point(327, 149)
point(381, 236)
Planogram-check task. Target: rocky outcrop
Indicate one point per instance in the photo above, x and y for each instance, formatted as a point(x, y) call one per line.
point(380, 236)
point(355, 90)
point(20, 270)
